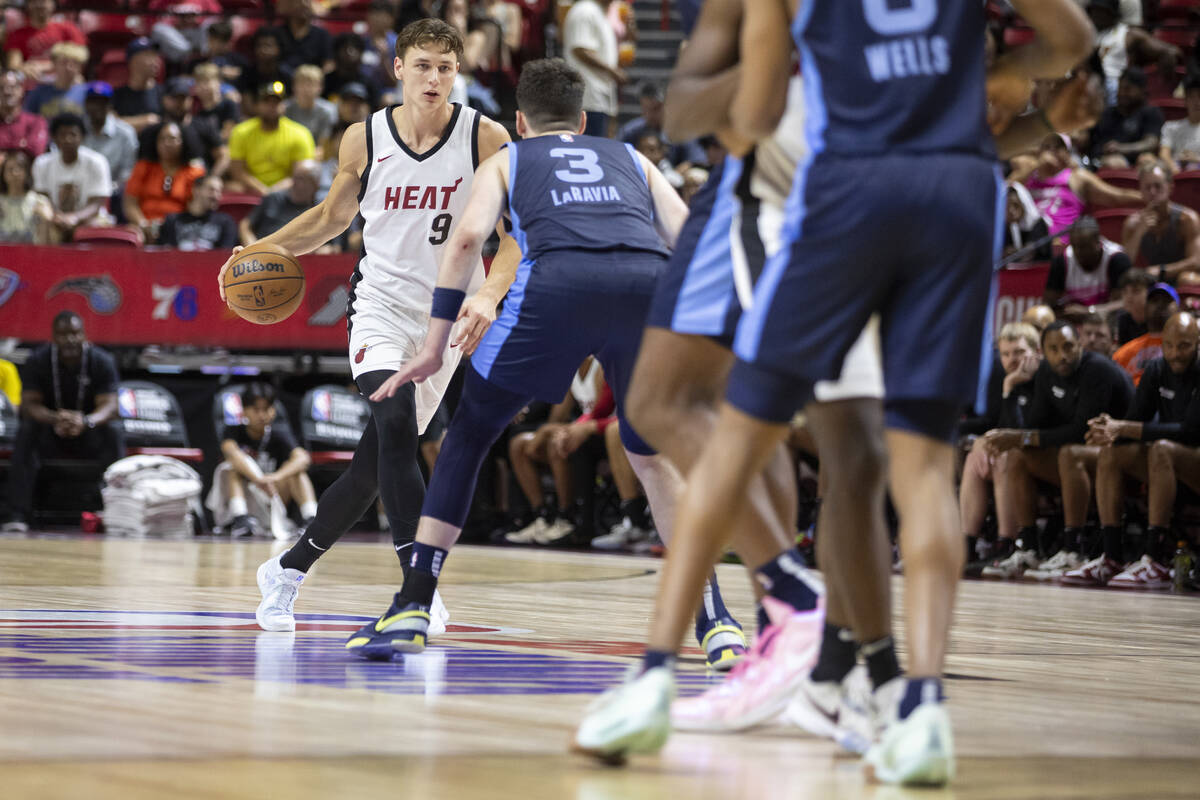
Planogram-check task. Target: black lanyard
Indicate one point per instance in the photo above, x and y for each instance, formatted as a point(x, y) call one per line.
point(58, 404)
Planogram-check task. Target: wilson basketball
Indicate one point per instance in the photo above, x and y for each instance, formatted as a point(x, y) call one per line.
point(264, 284)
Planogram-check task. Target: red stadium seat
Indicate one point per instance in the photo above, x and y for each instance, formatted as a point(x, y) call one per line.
point(238, 206)
point(112, 68)
point(1178, 12)
point(1180, 37)
point(1187, 189)
point(107, 237)
point(336, 27)
point(91, 22)
point(1111, 221)
point(1121, 178)
point(1172, 108)
point(1159, 84)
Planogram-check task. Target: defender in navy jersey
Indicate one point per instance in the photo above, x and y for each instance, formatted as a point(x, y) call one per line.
point(594, 220)
point(894, 211)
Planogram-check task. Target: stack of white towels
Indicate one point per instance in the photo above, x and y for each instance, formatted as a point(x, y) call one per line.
point(151, 496)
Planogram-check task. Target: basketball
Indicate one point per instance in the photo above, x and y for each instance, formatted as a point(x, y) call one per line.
point(264, 284)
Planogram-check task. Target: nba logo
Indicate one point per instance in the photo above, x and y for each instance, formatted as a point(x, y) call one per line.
point(259, 300)
point(566, 137)
point(322, 407)
point(127, 403)
point(232, 405)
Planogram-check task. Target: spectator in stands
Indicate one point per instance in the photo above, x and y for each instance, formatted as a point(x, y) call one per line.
point(1062, 190)
point(330, 149)
point(1162, 302)
point(693, 179)
point(552, 517)
point(1008, 402)
point(1095, 335)
point(1120, 45)
point(1025, 226)
point(381, 41)
point(1188, 287)
point(1070, 387)
point(308, 107)
point(213, 108)
point(353, 105)
point(75, 178)
point(650, 98)
point(64, 94)
point(1131, 319)
point(650, 144)
point(1039, 316)
point(1167, 398)
point(68, 410)
point(262, 464)
point(1180, 148)
point(24, 214)
point(201, 226)
point(304, 42)
point(178, 34)
point(27, 47)
point(1087, 270)
point(267, 67)
point(219, 52)
point(108, 135)
point(279, 208)
point(266, 148)
point(348, 68)
point(19, 130)
point(590, 46)
point(161, 185)
point(202, 138)
point(139, 101)
point(1162, 237)
point(1129, 128)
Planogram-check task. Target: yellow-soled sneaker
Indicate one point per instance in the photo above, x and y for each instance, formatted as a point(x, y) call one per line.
point(403, 628)
point(723, 642)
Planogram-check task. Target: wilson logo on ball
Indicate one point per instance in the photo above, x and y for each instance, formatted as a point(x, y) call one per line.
point(248, 267)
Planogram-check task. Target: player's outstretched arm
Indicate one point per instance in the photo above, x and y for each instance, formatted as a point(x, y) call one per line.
point(706, 76)
point(669, 209)
point(1065, 37)
point(479, 311)
point(331, 216)
point(766, 43)
point(488, 193)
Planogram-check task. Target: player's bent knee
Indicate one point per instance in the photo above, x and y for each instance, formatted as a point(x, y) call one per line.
point(1160, 455)
point(935, 419)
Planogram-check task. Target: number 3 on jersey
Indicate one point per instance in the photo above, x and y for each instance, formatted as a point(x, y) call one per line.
point(441, 228)
point(583, 166)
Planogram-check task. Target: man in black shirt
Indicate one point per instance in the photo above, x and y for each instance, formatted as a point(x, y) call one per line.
point(201, 226)
point(139, 101)
point(68, 409)
point(262, 464)
point(1071, 387)
point(1161, 425)
point(1134, 286)
point(303, 41)
point(1129, 128)
point(279, 208)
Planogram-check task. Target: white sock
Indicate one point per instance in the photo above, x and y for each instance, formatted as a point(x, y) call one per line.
point(237, 506)
point(308, 509)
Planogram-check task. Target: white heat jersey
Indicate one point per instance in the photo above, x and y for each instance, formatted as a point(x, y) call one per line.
point(776, 157)
point(409, 205)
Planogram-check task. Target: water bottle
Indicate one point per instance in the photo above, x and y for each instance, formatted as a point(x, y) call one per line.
point(1181, 566)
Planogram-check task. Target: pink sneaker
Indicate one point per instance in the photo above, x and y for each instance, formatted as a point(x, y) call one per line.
point(1145, 573)
point(1096, 572)
point(763, 684)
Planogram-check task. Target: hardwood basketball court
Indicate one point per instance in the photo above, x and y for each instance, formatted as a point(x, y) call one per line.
point(133, 668)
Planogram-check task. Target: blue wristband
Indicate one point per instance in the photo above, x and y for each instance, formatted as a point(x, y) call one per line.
point(446, 303)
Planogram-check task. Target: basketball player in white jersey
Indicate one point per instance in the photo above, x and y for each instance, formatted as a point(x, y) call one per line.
point(407, 170)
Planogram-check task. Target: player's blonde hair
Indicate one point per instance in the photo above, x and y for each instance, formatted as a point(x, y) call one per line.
point(426, 32)
point(1020, 331)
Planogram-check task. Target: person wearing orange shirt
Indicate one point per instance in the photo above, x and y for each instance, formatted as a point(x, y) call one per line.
point(1133, 356)
point(161, 185)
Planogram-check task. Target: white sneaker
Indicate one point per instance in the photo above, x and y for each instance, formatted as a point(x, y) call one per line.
point(438, 615)
point(916, 751)
point(279, 588)
point(814, 708)
point(15, 526)
point(1054, 567)
point(634, 717)
point(528, 534)
point(622, 535)
point(1012, 567)
point(560, 529)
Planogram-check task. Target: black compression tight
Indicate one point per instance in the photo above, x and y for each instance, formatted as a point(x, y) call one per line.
point(396, 477)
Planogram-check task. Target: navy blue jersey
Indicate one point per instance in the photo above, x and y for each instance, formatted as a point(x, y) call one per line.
point(568, 192)
point(887, 76)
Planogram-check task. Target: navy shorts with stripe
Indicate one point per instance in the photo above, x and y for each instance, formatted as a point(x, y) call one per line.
point(913, 237)
point(563, 307)
point(696, 294)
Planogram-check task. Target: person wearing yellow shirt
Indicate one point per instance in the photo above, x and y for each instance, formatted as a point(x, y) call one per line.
point(10, 382)
point(263, 149)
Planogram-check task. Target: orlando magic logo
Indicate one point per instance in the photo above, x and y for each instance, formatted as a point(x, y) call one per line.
point(102, 293)
point(9, 283)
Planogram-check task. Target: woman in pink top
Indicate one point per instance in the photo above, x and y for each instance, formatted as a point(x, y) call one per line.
point(1062, 191)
